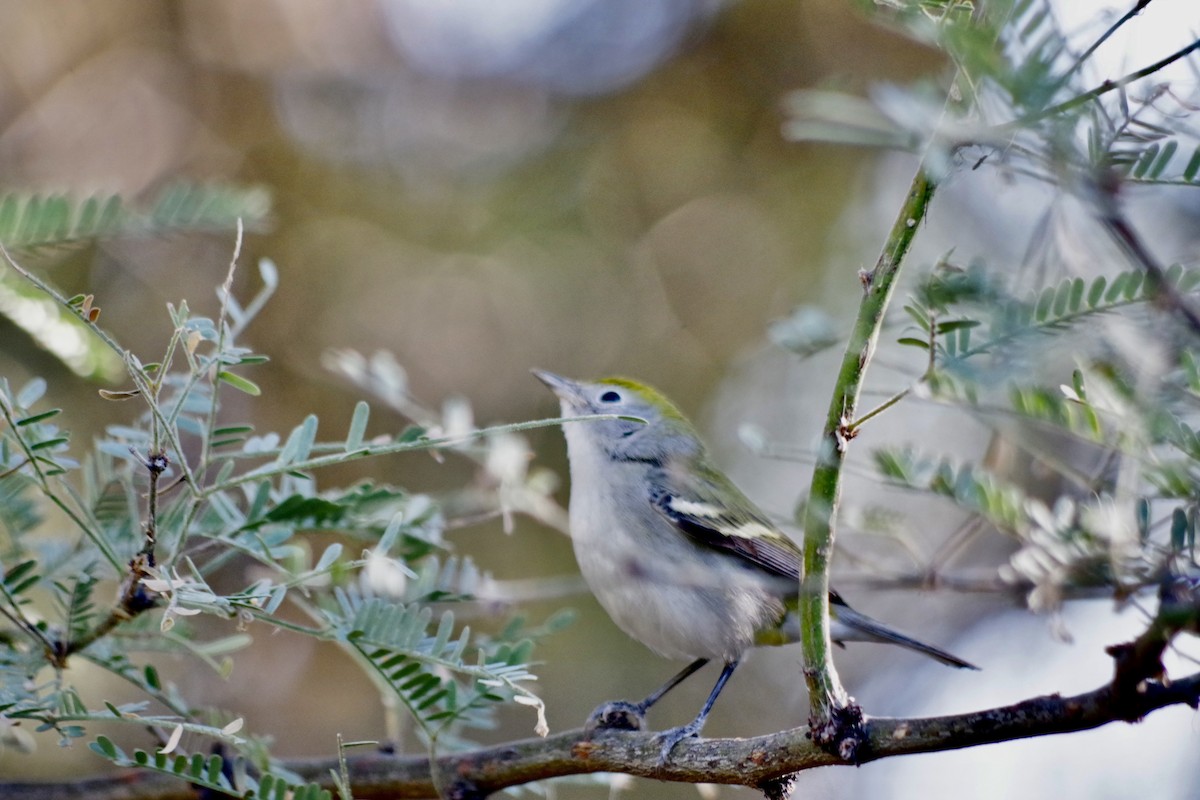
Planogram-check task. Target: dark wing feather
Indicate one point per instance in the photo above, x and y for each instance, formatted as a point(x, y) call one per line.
point(713, 512)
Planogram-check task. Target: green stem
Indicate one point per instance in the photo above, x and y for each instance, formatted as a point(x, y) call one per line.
point(370, 451)
point(825, 691)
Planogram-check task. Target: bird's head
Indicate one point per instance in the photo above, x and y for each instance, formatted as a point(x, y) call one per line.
point(652, 428)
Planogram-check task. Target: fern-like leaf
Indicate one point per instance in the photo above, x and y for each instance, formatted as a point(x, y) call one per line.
point(32, 220)
point(207, 772)
point(966, 485)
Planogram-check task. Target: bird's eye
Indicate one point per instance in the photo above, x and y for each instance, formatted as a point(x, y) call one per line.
point(610, 397)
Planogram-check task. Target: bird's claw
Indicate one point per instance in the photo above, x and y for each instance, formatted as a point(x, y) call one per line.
point(674, 736)
point(618, 715)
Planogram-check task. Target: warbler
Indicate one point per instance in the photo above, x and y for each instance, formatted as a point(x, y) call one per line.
point(676, 554)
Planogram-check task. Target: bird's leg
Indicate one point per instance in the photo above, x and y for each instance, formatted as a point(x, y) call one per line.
point(679, 678)
point(626, 716)
point(676, 735)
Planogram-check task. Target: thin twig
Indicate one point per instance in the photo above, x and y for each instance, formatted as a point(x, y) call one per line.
point(930, 367)
point(370, 450)
point(134, 598)
point(18, 619)
point(1138, 7)
point(14, 469)
point(1102, 89)
point(215, 366)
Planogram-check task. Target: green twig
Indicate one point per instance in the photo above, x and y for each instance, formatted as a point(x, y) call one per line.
point(368, 451)
point(853, 428)
point(826, 695)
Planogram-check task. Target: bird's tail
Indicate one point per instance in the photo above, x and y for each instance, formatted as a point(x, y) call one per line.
point(847, 625)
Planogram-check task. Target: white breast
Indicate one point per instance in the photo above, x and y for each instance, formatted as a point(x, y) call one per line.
point(679, 599)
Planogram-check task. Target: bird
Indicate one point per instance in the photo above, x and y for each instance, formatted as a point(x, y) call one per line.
point(677, 555)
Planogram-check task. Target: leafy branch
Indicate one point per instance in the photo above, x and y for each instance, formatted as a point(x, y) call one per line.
point(38, 220)
point(230, 505)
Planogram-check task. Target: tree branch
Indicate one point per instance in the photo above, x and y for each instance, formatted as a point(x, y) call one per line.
point(757, 762)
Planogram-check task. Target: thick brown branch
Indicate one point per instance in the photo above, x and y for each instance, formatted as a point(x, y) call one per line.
point(746, 762)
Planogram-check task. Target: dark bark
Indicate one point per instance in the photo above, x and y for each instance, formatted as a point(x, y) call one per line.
point(765, 762)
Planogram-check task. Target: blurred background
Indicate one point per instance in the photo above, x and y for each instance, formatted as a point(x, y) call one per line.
point(586, 186)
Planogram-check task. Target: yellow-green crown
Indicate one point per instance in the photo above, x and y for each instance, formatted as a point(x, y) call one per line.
point(652, 396)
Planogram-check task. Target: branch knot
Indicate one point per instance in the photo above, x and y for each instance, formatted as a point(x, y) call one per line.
point(844, 734)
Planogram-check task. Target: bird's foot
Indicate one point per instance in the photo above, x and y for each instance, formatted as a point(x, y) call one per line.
point(674, 736)
point(617, 715)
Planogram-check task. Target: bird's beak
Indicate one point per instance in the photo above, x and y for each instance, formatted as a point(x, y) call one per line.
point(565, 388)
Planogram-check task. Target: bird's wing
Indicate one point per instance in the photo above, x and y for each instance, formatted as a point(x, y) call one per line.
point(705, 506)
